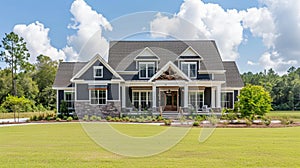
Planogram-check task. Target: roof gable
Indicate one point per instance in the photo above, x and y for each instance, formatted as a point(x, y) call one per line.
point(96, 58)
point(189, 53)
point(147, 54)
point(169, 72)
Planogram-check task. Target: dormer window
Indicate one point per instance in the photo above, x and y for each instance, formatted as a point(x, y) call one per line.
point(98, 71)
point(146, 69)
point(189, 68)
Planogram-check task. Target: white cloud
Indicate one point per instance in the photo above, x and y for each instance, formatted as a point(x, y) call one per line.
point(261, 24)
point(252, 63)
point(88, 23)
point(197, 20)
point(274, 61)
point(278, 25)
point(38, 42)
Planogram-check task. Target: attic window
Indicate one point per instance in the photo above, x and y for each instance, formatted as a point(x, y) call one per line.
point(98, 71)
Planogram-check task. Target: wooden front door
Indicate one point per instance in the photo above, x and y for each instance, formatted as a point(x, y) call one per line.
point(171, 101)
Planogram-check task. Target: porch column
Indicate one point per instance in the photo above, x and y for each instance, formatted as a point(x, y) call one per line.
point(218, 94)
point(123, 96)
point(154, 96)
point(186, 95)
point(213, 97)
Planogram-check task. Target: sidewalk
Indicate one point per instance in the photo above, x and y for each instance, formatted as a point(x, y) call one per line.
point(12, 120)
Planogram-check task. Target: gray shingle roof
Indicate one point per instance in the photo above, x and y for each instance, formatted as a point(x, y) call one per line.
point(122, 53)
point(233, 77)
point(65, 72)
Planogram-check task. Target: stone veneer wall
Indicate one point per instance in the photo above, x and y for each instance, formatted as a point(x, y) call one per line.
point(112, 108)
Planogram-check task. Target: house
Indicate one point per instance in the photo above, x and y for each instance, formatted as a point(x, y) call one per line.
point(150, 76)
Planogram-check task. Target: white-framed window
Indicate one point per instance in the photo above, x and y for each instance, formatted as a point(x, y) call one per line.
point(227, 99)
point(98, 97)
point(142, 99)
point(98, 71)
point(69, 97)
point(146, 69)
point(189, 68)
point(196, 99)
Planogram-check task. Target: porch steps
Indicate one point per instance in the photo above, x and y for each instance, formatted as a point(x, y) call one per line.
point(170, 114)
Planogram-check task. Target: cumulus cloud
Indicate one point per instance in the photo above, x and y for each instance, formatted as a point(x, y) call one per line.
point(277, 23)
point(88, 23)
point(198, 20)
point(38, 42)
point(274, 61)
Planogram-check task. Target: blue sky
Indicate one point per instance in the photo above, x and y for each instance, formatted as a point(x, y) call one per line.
point(250, 32)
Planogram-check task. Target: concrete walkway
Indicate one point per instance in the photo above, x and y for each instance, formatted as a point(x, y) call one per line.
point(13, 120)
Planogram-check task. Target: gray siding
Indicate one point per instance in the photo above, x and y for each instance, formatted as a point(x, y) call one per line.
point(89, 74)
point(82, 92)
point(207, 96)
point(113, 91)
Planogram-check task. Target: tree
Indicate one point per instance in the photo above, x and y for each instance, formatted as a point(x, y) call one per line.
point(15, 54)
point(44, 77)
point(16, 104)
point(254, 100)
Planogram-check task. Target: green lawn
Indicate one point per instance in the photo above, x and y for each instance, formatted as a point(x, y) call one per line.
point(293, 115)
point(23, 114)
point(67, 145)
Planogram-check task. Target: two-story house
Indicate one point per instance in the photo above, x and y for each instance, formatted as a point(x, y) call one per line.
point(153, 76)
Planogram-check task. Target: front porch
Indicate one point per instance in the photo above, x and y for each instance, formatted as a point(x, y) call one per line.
point(165, 98)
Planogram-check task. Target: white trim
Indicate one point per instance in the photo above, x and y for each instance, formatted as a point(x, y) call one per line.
point(189, 48)
point(231, 88)
point(141, 54)
point(63, 88)
point(189, 69)
point(95, 68)
point(147, 66)
point(128, 72)
point(97, 57)
point(211, 71)
point(165, 68)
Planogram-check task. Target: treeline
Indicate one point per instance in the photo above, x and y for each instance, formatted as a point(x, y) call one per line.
point(33, 84)
point(284, 89)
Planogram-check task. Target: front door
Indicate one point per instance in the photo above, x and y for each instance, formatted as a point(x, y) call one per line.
point(171, 101)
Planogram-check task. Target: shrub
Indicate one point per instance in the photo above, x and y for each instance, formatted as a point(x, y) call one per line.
point(167, 122)
point(160, 118)
point(98, 118)
point(212, 119)
point(57, 119)
point(248, 122)
point(85, 118)
point(69, 118)
point(93, 118)
point(199, 118)
point(196, 123)
point(48, 118)
point(2, 109)
point(65, 117)
point(108, 118)
point(267, 121)
point(126, 119)
point(254, 100)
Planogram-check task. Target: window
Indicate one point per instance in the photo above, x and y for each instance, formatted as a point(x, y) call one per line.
point(196, 99)
point(69, 99)
point(189, 68)
point(146, 69)
point(227, 99)
point(98, 71)
point(142, 99)
point(98, 96)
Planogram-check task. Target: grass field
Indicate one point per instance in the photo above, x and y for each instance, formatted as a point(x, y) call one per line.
point(22, 114)
point(67, 145)
point(293, 115)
